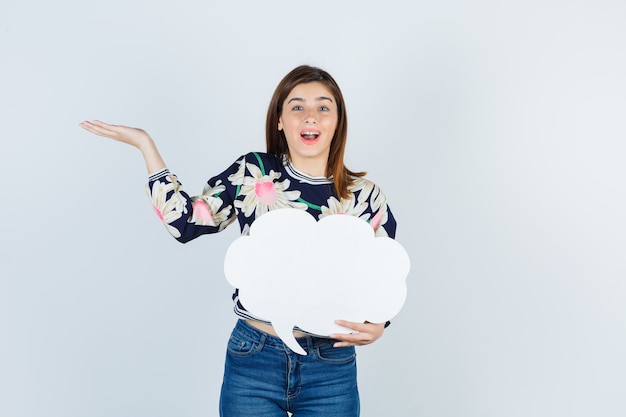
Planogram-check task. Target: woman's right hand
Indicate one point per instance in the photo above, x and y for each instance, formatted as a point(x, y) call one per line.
point(132, 136)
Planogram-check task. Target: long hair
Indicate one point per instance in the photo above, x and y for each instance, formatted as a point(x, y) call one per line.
point(277, 143)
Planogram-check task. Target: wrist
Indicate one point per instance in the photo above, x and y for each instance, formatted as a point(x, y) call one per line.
point(146, 145)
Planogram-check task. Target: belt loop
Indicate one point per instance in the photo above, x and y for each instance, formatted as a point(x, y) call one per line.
point(262, 340)
point(309, 344)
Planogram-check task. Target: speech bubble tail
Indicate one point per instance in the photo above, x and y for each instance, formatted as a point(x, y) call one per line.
point(285, 332)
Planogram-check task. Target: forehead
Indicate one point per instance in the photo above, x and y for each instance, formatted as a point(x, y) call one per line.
point(311, 90)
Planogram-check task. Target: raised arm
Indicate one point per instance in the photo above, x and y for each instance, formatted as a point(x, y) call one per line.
point(185, 217)
point(132, 136)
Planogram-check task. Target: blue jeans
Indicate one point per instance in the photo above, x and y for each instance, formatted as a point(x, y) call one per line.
point(264, 378)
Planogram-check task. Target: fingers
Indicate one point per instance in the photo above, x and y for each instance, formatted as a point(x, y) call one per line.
point(100, 128)
point(359, 339)
point(367, 333)
point(353, 325)
point(130, 135)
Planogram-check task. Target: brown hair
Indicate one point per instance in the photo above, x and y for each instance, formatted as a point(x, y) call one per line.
point(277, 143)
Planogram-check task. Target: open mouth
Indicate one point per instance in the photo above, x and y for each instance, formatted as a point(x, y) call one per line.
point(309, 134)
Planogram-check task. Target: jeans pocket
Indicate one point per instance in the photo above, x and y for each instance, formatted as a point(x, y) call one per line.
point(329, 354)
point(240, 346)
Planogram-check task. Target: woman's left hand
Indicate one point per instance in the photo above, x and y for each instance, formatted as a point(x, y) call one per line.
point(367, 333)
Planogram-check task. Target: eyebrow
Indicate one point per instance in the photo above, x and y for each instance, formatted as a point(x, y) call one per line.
point(321, 98)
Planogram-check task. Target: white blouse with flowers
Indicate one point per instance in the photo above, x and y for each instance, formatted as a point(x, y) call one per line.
point(255, 184)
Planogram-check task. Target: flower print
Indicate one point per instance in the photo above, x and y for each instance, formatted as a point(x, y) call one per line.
point(372, 194)
point(208, 209)
point(344, 206)
point(378, 199)
point(201, 213)
point(238, 177)
point(264, 193)
point(367, 194)
point(378, 220)
point(378, 204)
point(168, 209)
point(362, 187)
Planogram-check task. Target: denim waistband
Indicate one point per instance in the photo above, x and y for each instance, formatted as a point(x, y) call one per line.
point(268, 340)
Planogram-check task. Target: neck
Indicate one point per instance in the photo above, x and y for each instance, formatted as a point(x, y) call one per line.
point(310, 167)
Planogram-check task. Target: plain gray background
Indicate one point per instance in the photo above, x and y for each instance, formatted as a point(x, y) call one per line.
point(495, 128)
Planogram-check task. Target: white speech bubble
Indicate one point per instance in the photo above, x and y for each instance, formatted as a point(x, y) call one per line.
point(292, 270)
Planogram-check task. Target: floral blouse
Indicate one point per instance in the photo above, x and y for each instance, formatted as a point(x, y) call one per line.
point(255, 184)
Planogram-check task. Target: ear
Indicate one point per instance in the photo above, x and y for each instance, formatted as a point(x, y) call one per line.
point(280, 123)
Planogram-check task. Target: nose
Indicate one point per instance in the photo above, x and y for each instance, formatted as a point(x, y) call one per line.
point(310, 117)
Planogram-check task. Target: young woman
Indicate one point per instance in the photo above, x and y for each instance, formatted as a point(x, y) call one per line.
point(303, 168)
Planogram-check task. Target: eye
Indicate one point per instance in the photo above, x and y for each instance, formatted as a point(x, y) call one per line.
point(324, 108)
point(297, 108)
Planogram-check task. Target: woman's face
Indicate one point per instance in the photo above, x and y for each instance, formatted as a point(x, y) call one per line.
point(309, 120)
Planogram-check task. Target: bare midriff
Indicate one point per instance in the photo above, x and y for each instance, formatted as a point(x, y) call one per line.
point(267, 328)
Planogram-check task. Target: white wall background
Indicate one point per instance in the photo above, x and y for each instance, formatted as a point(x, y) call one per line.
point(495, 128)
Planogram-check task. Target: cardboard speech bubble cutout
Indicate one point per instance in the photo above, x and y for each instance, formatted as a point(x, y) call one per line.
point(292, 270)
